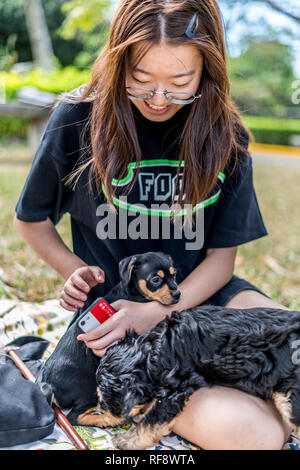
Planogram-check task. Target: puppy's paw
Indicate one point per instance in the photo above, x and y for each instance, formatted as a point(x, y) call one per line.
point(121, 441)
point(128, 440)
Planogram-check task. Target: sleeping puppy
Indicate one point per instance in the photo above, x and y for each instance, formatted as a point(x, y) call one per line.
point(155, 374)
point(69, 375)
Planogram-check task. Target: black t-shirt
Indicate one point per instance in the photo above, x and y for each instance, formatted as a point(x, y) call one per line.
point(229, 217)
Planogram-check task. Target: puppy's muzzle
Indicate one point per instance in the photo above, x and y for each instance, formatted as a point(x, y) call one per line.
point(175, 297)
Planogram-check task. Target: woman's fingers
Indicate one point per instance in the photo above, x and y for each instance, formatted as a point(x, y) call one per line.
point(112, 324)
point(77, 281)
point(99, 352)
point(96, 333)
point(91, 275)
point(73, 302)
point(67, 306)
point(99, 274)
point(79, 285)
point(74, 293)
point(104, 342)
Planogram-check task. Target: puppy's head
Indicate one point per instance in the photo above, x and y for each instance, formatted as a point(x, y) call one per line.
point(124, 387)
point(152, 275)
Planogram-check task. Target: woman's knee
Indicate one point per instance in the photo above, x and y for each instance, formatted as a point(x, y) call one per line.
point(226, 419)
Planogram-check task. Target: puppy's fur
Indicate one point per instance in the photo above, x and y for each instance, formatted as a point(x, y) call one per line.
point(155, 374)
point(69, 375)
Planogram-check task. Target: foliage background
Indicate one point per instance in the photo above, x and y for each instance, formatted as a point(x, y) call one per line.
point(261, 60)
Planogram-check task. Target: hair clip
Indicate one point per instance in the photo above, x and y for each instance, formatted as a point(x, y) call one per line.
point(193, 26)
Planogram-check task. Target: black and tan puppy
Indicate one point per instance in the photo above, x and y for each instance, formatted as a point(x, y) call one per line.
point(155, 374)
point(69, 375)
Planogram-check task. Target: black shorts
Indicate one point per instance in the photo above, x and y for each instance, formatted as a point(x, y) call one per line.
point(234, 287)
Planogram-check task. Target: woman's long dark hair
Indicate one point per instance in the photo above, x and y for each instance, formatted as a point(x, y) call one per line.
point(210, 133)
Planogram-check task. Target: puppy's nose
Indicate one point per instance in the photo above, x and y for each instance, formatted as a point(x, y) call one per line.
point(176, 295)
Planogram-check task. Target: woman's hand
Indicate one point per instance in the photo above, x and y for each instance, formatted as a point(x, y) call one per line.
point(140, 317)
point(79, 284)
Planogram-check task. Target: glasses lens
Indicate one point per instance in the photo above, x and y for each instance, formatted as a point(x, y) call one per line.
point(180, 98)
point(139, 93)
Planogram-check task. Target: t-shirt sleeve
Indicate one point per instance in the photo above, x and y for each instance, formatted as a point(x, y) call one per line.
point(45, 193)
point(237, 218)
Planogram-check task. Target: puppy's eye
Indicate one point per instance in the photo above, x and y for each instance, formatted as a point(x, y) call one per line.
point(156, 280)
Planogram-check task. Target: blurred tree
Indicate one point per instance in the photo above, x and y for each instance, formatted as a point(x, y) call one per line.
point(289, 9)
point(262, 77)
point(13, 22)
point(8, 53)
point(263, 72)
point(83, 16)
point(87, 21)
point(66, 50)
point(40, 39)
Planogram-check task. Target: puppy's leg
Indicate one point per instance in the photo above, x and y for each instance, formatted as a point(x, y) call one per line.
point(295, 412)
point(288, 406)
point(156, 423)
point(97, 417)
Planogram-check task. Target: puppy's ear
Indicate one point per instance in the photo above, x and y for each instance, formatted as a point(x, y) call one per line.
point(130, 401)
point(135, 400)
point(126, 266)
point(168, 257)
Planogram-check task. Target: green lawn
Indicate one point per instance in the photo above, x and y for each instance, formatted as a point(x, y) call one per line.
point(272, 263)
point(31, 277)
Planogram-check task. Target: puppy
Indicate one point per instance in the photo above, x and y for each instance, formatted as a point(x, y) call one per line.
point(155, 374)
point(69, 375)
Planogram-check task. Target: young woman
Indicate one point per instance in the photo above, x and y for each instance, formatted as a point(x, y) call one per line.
point(155, 126)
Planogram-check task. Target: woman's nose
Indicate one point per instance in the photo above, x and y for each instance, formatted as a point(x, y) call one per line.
point(159, 99)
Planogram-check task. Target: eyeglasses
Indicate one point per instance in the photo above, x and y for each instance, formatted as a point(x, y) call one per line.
point(143, 94)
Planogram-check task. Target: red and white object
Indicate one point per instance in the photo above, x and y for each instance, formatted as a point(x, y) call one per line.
point(96, 314)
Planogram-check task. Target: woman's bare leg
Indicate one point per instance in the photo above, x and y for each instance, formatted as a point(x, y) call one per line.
point(222, 418)
point(252, 299)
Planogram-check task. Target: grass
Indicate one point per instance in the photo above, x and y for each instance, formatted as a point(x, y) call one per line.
point(273, 123)
point(31, 278)
point(272, 263)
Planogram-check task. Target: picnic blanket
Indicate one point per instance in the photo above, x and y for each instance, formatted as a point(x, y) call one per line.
point(49, 320)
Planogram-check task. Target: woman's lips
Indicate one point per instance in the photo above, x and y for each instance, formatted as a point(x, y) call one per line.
point(156, 111)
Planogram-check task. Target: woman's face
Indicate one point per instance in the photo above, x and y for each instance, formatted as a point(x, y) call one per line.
point(165, 67)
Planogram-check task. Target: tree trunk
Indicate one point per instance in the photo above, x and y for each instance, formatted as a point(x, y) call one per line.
point(40, 40)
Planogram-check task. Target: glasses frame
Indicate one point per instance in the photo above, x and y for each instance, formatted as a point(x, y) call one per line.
point(166, 93)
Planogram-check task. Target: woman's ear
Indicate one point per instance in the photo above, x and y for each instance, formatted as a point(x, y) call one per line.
point(126, 266)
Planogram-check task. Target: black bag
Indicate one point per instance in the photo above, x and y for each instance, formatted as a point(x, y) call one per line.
point(25, 414)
